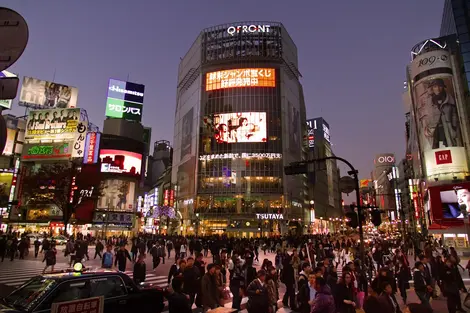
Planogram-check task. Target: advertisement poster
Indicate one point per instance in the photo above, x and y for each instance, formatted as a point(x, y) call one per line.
point(39, 93)
point(436, 107)
point(237, 127)
point(123, 109)
point(117, 195)
point(186, 133)
point(55, 151)
point(121, 162)
point(186, 177)
point(294, 129)
point(58, 124)
point(10, 143)
point(5, 186)
point(242, 77)
point(125, 100)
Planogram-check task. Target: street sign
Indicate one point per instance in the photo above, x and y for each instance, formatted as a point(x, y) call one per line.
point(347, 184)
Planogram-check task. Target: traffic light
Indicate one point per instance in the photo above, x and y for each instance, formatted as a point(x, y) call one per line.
point(296, 169)
point(353, 220)
point(376, 217)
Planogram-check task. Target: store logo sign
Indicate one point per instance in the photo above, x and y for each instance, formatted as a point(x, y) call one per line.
point(125, 91)
point(232, 30)
point(123, 109)
point(384, 159)
point(443, 157)
point(269, 216)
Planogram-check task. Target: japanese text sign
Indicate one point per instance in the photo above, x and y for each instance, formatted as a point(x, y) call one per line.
point(89, 305)
point(238, 78)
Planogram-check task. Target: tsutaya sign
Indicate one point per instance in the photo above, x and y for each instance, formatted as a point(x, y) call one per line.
point(232, 30)
point(269, 216)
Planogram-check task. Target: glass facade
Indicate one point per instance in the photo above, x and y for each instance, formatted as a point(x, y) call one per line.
point(239, 119)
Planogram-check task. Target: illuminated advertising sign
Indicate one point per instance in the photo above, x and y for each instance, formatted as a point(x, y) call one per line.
point(243, 77)
point(311, 127)
point(53, 124)
point(224, 156)
point(446, 162)
point(384, 159)
point(117, 195)
point(252, 29)
point(125, 100)
point(436, 107)
point(92, 147)
point(171, 201)
point(10, 143)
point(237, 127)
point(39, 93)
point(166, 197)
point(269, 216)
point(450, 201)
point(120, 162)
point(6, 103)
point(47, 151)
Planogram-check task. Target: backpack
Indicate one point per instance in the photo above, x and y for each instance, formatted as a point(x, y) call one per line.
point(107, 260)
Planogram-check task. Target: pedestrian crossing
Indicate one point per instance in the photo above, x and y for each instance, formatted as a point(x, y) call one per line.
point(16, 273)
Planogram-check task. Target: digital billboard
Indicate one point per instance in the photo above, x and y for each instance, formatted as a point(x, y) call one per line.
point(6, 103)
point(60, 124)
point(125, 100)
point(450, 201)
point(242, 77)
point(117, 194)
point(237, 127)
point(120, 162)
point(436, 109)
point(39, 93)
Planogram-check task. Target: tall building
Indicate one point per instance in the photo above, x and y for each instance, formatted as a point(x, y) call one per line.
point(239, 120)
point(323, 182)
point(384, 177)
point(438, 134)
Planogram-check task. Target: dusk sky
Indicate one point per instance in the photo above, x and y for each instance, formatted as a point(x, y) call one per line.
point(352, 55)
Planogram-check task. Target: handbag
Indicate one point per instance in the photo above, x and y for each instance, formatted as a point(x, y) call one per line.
point(466, 302)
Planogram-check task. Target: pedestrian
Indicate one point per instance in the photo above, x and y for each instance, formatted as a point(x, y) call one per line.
point(37, 244)
point(191, 280)
point(374, 303)
point(169, 247)
point(122, 255)
point(50, 257)
point(13, 248)
point(156, 252)
point(389, 300)
point(237, 284)
point(107, 259)
point(99, 247)
point(140, 270)
point(422, 284)
point(345, 297)
point(324, 301)
point(258, 299)
point(452, 283)
point(209, 289)
point(272, 287)
point(3, 247)
point(177, 301)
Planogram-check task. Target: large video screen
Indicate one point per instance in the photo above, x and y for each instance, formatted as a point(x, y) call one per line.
point(238, 127)
point(120, 162)
point(455, 202)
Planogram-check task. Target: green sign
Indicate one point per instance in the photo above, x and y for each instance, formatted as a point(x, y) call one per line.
point(123, 109)
point(48, 151)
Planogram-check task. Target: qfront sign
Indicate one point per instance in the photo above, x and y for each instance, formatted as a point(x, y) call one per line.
point(232, 30)
point(125, 100)
point(269, 216)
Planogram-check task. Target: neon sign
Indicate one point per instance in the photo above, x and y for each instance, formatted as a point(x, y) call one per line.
point(232, 30)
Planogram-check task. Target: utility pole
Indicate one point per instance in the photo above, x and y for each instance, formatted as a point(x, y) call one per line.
point(297, 168)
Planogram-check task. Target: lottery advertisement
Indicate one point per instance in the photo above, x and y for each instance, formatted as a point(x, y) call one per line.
point(242, 77)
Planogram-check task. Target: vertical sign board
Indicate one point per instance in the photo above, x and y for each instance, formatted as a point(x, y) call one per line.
point(92, 146)
point(125, 100)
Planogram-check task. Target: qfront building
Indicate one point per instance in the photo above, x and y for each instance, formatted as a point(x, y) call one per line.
point(239, 120)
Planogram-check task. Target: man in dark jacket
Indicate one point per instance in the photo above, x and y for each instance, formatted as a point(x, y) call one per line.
point(258, 300)
point(307, 294)
point(452, 283)
point(209, 289)
point(288, 279)
point(177, 301)
point(422, 285)
point(324, 302)
point(191, 280)
point(121, 258)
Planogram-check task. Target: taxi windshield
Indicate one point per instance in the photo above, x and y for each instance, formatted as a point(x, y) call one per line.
point(28, 295)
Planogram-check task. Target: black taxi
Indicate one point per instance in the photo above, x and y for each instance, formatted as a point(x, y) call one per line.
point(117, 291)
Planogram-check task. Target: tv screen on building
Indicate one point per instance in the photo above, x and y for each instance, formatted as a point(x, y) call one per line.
point(120, 162)
point(455, 202)
point(237, 127)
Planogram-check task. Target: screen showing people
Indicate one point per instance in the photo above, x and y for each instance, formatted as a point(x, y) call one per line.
point(238, 127)
point(455, 203)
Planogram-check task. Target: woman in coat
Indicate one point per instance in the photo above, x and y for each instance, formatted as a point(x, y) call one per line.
point(345, 298)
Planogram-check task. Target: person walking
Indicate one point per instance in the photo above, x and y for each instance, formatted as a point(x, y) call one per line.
point(98, 249)
point(177, 301)
point(324, 301)
point(452, 284)
point(258, 299)
point(50, 257)
point(108, 258)
point(140, 270)
point(422, 285)
point(122, 255)
point(209, 289)
point(191, 280)
point(3, 247)
point(36, 244)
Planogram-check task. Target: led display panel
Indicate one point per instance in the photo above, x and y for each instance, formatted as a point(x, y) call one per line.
point(242, 77)
point(238, 127)
point(120, 162)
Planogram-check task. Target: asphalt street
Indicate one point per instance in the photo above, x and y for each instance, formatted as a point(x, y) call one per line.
point(14, 273)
